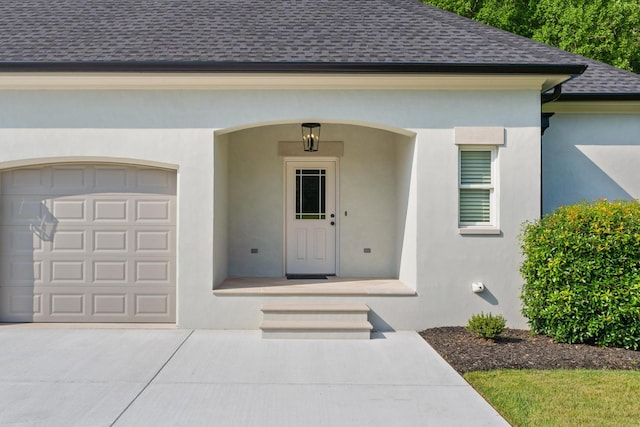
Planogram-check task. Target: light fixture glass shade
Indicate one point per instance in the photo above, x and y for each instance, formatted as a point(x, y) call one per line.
point(310, 136)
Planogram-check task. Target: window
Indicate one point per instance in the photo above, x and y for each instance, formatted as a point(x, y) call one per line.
point(478, 148)
point(477, 188)
point(310, 193)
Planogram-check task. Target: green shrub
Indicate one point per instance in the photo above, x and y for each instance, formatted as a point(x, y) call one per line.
point(486, 326)
point(582, 274)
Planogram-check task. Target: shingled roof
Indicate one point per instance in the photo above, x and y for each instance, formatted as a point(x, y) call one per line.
point(279, 35)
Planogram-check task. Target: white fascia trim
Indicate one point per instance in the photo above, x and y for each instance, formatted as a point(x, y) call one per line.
point(585, 107)
point(293, 81)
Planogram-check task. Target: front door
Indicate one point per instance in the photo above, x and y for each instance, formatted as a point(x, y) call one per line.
point(310, 216)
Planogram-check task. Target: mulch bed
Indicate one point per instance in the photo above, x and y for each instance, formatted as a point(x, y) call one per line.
point(518, 349)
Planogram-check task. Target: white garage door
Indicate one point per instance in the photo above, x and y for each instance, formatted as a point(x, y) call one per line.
point(87, 243)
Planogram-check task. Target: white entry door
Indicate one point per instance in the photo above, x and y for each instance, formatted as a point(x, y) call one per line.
point(311, 217)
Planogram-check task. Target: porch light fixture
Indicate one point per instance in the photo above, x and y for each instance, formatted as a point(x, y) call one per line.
point(310, 136)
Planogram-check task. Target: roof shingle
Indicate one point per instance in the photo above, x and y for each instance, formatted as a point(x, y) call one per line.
point(276, 32)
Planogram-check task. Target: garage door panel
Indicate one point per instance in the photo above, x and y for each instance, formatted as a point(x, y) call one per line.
point(70, 178)
point(40, 210)
point(69, 210)
point(25, 272)
point(109, 305)
point(99, 305)
point(111, 272)
point(152, 211)
point(68, 272)
point(71, 270)
point(27, 304)
point(25, 181)
point(24, 210)
point(99, 239)
point(19, 240)
point(69, 241)
point(90, 243)
point(21, 271)
point(85, 179)
point(109, 210)
point(151, 304)
point(20, 305)
point(113, 178)
point(155, 181)
point(154, 241)
point(67, 304)
point(110, 241)
point(152, 271)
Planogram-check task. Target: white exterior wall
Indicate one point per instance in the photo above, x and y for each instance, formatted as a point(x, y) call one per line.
point(220, 259)
point(255, 204)
point(176, 129)
point(448, 262)
point(369, 194)
point(591, 156)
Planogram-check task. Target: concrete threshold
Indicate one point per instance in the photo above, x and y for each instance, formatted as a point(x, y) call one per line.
point(333, 286)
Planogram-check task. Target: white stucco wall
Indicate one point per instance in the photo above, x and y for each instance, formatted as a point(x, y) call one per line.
point(590, 156)
point(369, 195)
point(220, 259)
point(176, 129)
point(255, 203)
point(406, 169)
point(449, 262)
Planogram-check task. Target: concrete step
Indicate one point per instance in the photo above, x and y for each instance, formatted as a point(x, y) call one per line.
point(315, 321)
point(311, 311)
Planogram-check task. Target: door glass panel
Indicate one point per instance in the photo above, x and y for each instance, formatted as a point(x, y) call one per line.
point(310, 194)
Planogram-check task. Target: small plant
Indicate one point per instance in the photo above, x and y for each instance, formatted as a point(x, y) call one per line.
point(487, 326)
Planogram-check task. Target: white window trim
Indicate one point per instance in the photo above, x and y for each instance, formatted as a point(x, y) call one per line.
point(491, 227)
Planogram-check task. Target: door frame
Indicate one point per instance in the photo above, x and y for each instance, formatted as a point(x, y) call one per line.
point(310, 159)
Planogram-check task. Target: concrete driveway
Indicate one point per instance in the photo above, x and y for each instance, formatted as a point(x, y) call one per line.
point(54, 376)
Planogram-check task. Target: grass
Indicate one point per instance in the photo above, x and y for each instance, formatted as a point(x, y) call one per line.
point(562, 397)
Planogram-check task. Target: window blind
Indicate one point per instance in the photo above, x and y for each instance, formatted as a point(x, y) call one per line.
point(475, 186)
point(475, 205)
point(475, 167)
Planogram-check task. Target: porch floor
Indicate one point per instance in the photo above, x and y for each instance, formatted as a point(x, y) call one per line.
point(328, 287)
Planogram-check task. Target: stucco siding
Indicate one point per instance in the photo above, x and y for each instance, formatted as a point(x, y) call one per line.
point(449, 262)
point(210, 109)
point(591, 156)
point(220, 260)
point(368, 190)
point(255, 204)
point(400, 193)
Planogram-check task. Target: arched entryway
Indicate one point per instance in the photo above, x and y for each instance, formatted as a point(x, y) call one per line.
point(257, 166)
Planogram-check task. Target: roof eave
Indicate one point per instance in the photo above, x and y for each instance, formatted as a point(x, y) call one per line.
point(595, 97)
point(289, 67)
